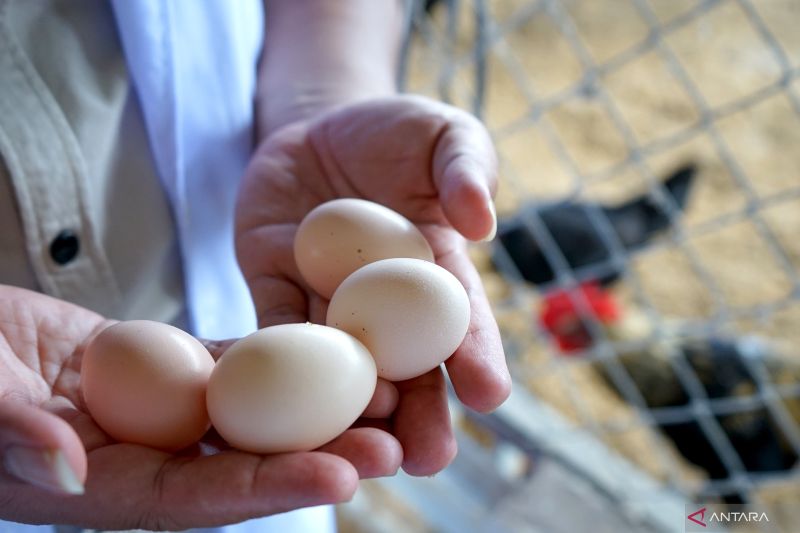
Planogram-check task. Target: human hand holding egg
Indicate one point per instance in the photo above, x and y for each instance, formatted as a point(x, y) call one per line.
point(393, 313)
point(60, 466)
point(429, 162)
point(149, 392)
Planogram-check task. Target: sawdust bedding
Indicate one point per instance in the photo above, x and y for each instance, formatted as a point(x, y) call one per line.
point(726, 227)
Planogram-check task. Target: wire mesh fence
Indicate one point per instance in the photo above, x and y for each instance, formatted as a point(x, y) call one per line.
point(692, 372)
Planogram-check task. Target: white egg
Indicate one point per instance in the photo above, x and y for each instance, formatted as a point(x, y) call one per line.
point(410, 314)
point(339, 237)
point(291, 387)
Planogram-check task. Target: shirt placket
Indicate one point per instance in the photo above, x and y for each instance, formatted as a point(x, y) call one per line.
point(49, 178)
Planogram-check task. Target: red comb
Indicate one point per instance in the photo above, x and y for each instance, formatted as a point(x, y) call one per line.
point(564, 304)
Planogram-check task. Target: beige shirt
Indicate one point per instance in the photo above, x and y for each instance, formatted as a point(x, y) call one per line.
point(83, 216)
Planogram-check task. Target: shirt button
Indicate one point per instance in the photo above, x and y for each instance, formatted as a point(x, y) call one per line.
point(64, 247)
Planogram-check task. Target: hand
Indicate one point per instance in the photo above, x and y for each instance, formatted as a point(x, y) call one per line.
point(430, 162)
point(49, 442)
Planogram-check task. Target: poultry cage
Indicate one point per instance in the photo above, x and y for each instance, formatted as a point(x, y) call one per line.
point(645, 274)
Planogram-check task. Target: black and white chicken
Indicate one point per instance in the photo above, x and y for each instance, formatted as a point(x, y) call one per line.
point(723, 366)
point(573, 228)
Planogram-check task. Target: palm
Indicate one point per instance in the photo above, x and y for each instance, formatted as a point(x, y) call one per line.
point(41, 345)
point(428, 162)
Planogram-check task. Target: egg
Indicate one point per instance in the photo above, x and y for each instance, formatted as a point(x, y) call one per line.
point(291, 387)
point(145, 383)
point(410, 314)
point(339, 237)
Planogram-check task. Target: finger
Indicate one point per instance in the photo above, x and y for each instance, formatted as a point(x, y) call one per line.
point(478, 368)
point(384, 424)
point(422, 424)
point(317, 308)
point(465, 174)
point(372, 452)
point(217, 348)
point(41, 449)
point(267, 259)
point(278, 301)
point(383, 402)
point(133, 486)
point(234, 486)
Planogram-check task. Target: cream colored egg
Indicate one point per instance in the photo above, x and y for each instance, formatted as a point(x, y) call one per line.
point(339, 237)
point(410, 314)
point(291, 387)
point(145, 382)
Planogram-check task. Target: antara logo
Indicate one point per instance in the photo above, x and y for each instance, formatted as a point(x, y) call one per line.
point(725, 517)
point(693, 517)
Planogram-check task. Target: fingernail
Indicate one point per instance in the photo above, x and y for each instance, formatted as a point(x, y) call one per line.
point(48, 469)
point(490, 236)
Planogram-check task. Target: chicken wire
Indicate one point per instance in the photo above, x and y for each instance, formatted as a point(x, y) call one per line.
point(465, 45)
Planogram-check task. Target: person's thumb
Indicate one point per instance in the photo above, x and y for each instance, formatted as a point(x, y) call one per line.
point(465, 174)
point(40, 448)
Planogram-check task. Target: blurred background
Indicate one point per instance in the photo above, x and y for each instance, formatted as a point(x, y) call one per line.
point(645, 274)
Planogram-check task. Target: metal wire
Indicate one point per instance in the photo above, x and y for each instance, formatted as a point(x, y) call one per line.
point(491, 42)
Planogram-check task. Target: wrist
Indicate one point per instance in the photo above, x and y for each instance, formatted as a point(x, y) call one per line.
point(319, 55)
point(289, 104)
